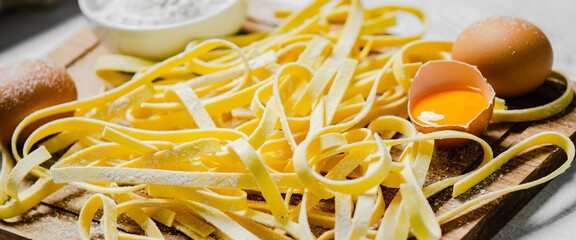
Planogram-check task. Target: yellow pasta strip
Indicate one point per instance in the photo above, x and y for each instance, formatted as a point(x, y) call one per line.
point(140, 217)
point(107, 190)
point(92, 154)
point(265, 91)
point(190, 233)
point(311, 25)
point(178, 153)
point(193, 223)
point(221, 104)
point(371, 96)
point(167, 177)
point(351, 30)
point(419, 212)
point(304, 172)
point(299, 71)
point(265, 127)
point(29, 198)
point(394, 224)
point(423, 151)
point(114, 67)
point(366, 49)
point(59, 142)
point(148, 203)
point(484, 171)
point(268, 220)
point(208, 67)
point(341, 82)
point(220, 220)
point(488, 153)
point(130, 142)
point(303, 224)
point(540, 112)
point(363, 213)
point(298, 17)
point(172, 121)
point(235, 201)
point(246, 39)
point(548, 137)
point(392, 124)
point(257, 167)
point(162, 215)
point(317, 85)
point(234, 72)
point(96, 126)
point(7, 166)
point(375, 174)
point(440, 185)
point(328, 69)
point(411, 56)
point(108, 220)
point(343, 223)
point(316, 217)
point(347, 164)
point(187, 222)
point(312, 54)
point(406, 206)
point(378, 209)
point(291, 52)
point(140, 79)
point(317, 117)
point(343, 167)
point(382, 41)
point(436, 187)
point(195, 108)
point(117, 109)
point(261, 231)
point(379, 24)
point(22, 169)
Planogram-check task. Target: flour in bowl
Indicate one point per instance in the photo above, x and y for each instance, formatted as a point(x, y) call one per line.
point(156, 12)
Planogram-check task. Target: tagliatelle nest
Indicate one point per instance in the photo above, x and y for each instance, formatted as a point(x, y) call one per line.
point(303, 109)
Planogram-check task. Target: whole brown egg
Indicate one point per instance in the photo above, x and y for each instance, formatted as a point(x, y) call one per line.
point(513, 54)
point(30, 85)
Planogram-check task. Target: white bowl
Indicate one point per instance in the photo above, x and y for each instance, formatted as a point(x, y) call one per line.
point(161, 41)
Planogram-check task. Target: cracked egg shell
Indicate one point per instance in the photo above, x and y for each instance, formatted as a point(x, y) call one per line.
point(453, 91)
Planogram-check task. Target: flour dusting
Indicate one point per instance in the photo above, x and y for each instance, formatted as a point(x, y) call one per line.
point(156, 12)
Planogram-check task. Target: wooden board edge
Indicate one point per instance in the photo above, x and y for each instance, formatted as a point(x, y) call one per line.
point(82, 42)
point(7, 235)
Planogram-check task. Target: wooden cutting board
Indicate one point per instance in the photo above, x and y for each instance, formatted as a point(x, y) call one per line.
point(56, 216)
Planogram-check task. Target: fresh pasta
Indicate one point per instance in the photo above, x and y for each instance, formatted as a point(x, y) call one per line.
point(309, 108)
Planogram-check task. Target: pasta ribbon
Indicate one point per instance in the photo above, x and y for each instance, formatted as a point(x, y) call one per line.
point(23, 168)
point(255, 164)
point(294, 133)
point(541, 112)
point(109, 221)
point(543, 138)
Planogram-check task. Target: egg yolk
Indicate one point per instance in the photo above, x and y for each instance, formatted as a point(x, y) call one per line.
point(449, 107)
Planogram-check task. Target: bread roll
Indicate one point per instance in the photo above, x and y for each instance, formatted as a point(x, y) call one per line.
point(30, 85)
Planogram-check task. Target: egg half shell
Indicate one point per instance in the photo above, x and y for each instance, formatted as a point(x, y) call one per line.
point(435, 76)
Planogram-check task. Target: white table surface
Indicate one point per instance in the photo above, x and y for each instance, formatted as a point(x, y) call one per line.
point(552, 213)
